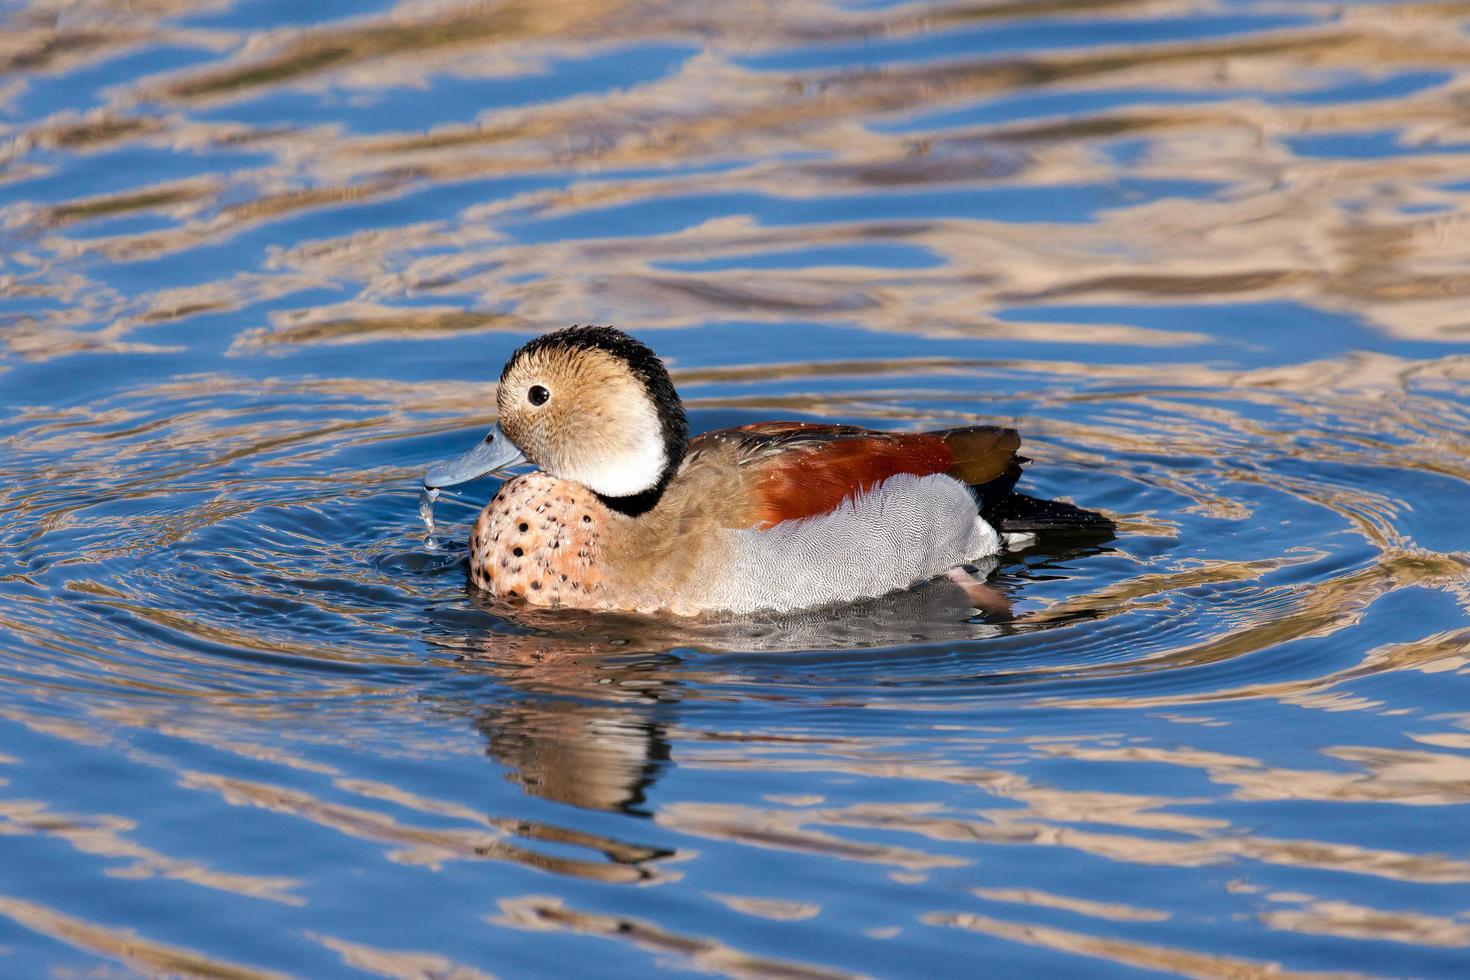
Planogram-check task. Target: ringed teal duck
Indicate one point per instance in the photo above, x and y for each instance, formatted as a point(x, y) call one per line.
point(628, 513)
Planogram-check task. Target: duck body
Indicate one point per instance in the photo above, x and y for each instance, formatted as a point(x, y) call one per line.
point(767, 517)
point(774, 516)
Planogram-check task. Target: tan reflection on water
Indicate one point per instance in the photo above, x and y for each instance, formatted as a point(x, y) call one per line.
point(105, 836)
point(1143, 955)
point(770, 908)
point(1442, 651)
point(1349, 921)
point(710, 955)
point(137, 951)
point(1329, 232)
point(1380, 775)
point(399, 964)
point(1047, 816)
point(413, 845)
point(1115, 911)
point(622, 853)
point(788, 830)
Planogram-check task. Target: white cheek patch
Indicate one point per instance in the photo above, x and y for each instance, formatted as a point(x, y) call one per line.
point(632, 465)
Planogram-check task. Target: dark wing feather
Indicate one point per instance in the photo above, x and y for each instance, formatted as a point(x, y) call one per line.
point(983, 454)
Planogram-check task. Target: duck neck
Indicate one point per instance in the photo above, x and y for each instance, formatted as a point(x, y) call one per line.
point(638, 504)
point(635, 505)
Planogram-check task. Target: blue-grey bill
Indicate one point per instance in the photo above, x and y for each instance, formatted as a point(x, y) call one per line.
point(494, 452)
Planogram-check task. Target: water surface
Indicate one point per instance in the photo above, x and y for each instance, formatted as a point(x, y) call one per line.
point(262, 262)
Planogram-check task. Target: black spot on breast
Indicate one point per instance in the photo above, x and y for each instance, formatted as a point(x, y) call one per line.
point(525, 527)
point(518, 552)
point(586, 518)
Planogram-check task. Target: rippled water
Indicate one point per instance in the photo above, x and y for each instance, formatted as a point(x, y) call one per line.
point(262, 262)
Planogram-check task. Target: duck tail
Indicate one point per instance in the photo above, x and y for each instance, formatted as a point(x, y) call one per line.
point(983, 454)
point(1016, 513)
point(987, 458)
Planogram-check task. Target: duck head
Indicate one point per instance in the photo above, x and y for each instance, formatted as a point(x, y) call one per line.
point(586, 404)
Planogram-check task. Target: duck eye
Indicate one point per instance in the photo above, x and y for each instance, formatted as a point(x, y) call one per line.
point(537, 395)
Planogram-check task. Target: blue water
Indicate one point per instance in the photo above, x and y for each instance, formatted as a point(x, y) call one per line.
point(262, 263)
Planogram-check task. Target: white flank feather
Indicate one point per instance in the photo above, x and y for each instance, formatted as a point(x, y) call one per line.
point(907, 530)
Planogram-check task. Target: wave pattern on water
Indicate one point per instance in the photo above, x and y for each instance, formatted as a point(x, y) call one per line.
point(260, 264)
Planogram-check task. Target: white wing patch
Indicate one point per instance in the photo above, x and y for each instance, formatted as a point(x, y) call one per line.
point(907, 530)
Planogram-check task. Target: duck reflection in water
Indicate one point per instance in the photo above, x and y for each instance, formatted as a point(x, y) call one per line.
point(558, 745)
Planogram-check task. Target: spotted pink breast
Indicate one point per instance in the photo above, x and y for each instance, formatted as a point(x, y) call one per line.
point(539, 539)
